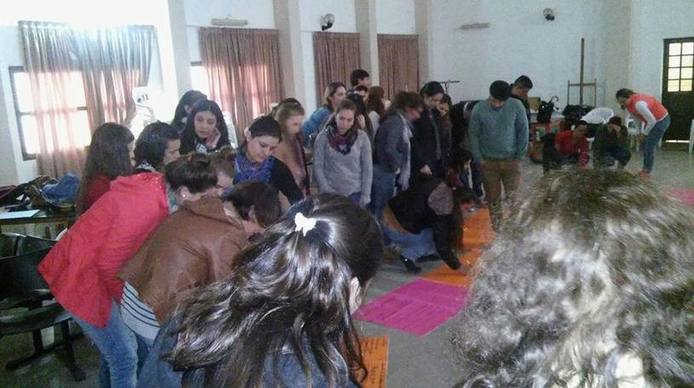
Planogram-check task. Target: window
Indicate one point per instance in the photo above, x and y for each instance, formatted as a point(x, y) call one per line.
point(198, 77)
point(680, 66)
point(26, 115)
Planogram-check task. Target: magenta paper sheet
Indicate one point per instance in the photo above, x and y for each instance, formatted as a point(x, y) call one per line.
point(418, 307)
point(684, 195)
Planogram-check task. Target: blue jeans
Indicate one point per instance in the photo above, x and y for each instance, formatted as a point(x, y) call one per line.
point(144, 345)
point(118, 348)
point(413, 246)
point(651, 142)
point(382, 190)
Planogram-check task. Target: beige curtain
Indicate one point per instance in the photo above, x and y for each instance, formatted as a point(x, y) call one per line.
point(114, 61)
point(243, 70)
point(335, 56)
point(109, 62)
point(49, 58)
point(398, 63)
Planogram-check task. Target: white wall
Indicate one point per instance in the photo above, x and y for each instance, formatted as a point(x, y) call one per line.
point(519, 41)
point(651, 23)
point(311, 12)
point(259, 13)
point(395, 17)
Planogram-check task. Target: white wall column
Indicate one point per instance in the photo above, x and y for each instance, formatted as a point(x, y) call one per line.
point(368, 37)
point(288, 22)
point(424, 26)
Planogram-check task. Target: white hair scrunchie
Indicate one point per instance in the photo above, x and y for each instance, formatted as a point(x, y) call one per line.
point(303, 224)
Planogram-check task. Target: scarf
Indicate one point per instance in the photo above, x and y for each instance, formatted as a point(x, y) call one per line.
point(250, 171)
point(404, 177)
point(341, 143)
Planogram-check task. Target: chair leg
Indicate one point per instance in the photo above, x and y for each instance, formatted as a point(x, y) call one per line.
point(39, 350)
point(76, 372)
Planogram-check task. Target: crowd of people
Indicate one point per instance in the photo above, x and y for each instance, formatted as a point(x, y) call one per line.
point(195, 264)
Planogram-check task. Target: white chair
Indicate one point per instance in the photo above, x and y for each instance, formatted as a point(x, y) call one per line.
point(598, 116)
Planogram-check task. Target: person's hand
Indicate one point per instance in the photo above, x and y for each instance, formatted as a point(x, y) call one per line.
point(397, 172)
point(425, 170)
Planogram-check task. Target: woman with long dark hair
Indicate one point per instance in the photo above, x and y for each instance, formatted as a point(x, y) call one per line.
point(157, 145)
point(589, 284)
point(342, 158)
point(184, 107)
point(284, 317)
point(108, 157)
point(255, 160)
point(206, 131)
point(375, 106)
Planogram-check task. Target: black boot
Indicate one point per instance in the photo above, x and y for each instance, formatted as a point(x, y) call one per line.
point(410, 265)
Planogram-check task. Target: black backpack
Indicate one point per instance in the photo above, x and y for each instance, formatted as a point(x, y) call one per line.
point(544, 112)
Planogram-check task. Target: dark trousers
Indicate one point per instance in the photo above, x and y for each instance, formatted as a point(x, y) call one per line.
point(608, 155)
point(476, 173)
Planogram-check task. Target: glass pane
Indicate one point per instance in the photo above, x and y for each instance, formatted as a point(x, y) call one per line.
point(75, 90)
point(675, 48)
point(674, 61)
point(687, 61)
point(673, 73)
point(688, 48)
point(673, 86)
point(31, 138)
point(23, 90)
point(686, 85)
point(686, 72)
point(198, 77)
point(80, 126)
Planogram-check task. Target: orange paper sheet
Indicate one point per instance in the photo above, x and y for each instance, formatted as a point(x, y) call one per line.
point(374, 351)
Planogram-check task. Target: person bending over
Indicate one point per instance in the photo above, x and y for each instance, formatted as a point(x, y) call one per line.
point(611, 144)
point(588, 285)
point(284, 316)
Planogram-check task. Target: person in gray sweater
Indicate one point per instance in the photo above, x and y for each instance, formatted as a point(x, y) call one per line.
point(392, 149)
point(499, 140)
point(342, 157)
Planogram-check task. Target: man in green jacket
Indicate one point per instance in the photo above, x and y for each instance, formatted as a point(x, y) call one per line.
point(499, 140)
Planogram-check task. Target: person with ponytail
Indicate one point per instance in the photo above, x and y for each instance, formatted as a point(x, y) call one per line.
point(284, 316)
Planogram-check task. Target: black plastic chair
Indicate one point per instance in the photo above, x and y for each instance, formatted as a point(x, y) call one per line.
point(9, 244)
point(26, 305)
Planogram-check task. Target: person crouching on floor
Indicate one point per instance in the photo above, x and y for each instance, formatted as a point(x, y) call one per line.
point(425, 220)
point(611, 144)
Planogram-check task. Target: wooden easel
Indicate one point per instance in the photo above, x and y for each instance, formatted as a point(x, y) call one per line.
point(446, 83)
point(582, 84)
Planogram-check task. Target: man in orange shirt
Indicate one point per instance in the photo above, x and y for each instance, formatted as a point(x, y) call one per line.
point(566, 147)
point(655, 119)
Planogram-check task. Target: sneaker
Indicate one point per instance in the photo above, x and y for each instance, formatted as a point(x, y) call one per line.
point(410, 265)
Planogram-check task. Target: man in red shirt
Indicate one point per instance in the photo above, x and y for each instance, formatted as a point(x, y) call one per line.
point(566, 147)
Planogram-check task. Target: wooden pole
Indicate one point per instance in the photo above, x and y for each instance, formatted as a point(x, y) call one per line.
point(580, 81)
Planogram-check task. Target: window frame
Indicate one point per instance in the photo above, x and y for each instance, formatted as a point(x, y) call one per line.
point(13, 70)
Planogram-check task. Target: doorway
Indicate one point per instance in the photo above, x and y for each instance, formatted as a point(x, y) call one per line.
point(678, 91)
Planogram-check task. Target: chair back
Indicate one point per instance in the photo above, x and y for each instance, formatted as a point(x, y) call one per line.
point(19, 275)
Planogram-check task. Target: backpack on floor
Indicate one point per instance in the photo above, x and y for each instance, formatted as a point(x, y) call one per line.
point(544, 112)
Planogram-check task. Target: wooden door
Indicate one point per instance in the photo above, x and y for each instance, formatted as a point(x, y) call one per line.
point(678, 91)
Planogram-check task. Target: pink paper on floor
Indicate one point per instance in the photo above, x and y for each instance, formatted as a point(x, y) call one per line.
point(418, 307)
point(684, 195)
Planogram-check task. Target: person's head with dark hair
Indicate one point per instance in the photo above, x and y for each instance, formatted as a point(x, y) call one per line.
point(157, 145)
point(623, 95)
point(223, 161)
point(361, 118)
point(375, 100)
point(588, 284)
point(460, 159)
point(499, 92)
point(360, 77)
point(445, 105)
point(205, 129)
point(185, 105)
point(290, 116)
point(262, 138)
point(296, 288)
point(257, 203)
point(361, 90)
point(521, 87)
point(410, 104)
point(334, 93)
point(432, 92)
point(615, 120)
point(191, 177)
point(108, 156)
point(345, 117)
point(580, 129)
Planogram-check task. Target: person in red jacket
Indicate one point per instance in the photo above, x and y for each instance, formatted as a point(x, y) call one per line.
point(655, 119)
point(566, 147)
point(82, 269)
point(108, 157)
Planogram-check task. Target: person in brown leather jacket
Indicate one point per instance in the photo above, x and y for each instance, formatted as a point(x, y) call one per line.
point(193, 247)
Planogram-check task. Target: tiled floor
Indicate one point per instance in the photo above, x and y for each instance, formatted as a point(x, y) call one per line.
point(427, 361)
